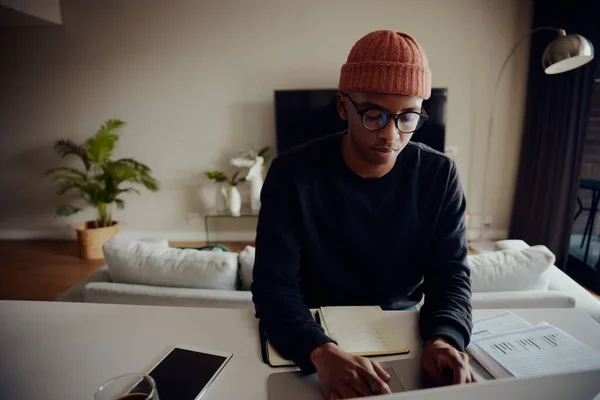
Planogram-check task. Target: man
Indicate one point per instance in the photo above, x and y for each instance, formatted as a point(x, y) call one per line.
point(366, 218)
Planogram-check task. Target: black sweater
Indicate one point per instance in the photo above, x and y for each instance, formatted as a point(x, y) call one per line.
point(327, 237)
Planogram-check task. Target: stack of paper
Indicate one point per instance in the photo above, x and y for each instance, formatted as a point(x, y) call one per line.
point(506, 345)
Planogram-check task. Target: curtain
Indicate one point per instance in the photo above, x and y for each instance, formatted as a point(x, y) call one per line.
point(557, 109)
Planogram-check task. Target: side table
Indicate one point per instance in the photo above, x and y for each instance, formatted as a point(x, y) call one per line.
point(245, 212)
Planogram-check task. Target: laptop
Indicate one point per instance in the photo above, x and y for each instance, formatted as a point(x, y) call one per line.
point(405, 375)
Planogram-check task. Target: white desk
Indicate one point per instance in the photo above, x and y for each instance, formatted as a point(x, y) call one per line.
point(51, 350)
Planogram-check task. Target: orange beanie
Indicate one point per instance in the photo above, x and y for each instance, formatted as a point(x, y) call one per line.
point(387, 62)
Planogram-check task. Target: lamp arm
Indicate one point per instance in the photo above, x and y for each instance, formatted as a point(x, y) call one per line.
point(493, 106)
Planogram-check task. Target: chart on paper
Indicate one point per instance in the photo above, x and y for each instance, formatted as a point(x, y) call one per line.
point(527, 344)
point(540, 350)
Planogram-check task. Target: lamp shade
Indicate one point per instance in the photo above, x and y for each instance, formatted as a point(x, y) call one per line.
point(567, 52)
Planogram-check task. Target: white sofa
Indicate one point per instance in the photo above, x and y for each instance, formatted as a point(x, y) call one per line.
point(560, 292)
point(559, 282)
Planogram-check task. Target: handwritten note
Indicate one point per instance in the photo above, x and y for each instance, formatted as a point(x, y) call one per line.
point(364, 330)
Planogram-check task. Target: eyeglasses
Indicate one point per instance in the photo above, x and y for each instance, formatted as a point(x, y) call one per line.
point(376, 118)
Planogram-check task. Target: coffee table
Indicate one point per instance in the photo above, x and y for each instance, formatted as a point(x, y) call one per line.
point(55, 350)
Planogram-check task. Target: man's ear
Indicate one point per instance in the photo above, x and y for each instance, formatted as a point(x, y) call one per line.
point(341, 107)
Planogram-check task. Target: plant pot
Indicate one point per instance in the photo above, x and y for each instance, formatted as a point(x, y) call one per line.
point(92, 239)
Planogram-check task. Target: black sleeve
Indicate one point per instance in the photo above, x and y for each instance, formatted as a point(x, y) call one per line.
point(446, 312)
point(285, 319)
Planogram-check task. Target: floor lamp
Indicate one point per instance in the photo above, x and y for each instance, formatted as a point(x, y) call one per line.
point(564, 53)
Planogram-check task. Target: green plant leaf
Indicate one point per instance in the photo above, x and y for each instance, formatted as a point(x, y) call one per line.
point(101, 145)
point(73, 171)
point(69, 179)
point(138, 166)
point(119, 191)
point(120, 203)
point(234, 181)
point(264, 152)
point(65, 187)
point(64, 210)
point(100, 148)
point(150, 183)
point(111, 125)
point(93, 194)
point(65, 147)
point(216, 176)
point(120, 172)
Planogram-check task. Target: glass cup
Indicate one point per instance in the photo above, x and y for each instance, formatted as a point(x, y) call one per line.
point(128, 387)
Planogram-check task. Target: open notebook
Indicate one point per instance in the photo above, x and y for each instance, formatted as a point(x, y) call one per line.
point(364, 331)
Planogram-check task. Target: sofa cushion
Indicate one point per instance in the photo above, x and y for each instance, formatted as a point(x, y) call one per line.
point(246, 266)
point(136, 262)
point(511, 270)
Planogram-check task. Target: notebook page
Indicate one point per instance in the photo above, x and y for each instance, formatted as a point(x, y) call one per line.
point(275, 358)
point(540, 350)
point(362, 330)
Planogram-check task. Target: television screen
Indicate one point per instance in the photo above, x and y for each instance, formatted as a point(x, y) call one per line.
point(304, 115)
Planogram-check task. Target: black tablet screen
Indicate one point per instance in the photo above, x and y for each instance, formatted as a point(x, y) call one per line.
point(182, 374)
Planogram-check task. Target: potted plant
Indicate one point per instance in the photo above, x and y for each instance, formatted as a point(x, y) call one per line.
point(233, 199)
point(101, 184)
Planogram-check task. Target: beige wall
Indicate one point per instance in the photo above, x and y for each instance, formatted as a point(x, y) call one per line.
point(195, 81)
point(46, 10)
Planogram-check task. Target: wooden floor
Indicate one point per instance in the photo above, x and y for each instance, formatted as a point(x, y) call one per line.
point(41, 270)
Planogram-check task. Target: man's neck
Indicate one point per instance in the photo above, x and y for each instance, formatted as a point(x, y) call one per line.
point(357, 164)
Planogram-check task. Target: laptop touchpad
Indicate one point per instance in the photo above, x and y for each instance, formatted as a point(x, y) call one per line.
point(394, 383)
point(408, 373)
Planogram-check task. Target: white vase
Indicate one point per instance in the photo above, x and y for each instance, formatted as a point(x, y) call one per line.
point(232, 199)
point(210, 197)
point(255, 176)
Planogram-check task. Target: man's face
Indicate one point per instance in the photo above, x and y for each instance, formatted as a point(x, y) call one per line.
point(382, 146)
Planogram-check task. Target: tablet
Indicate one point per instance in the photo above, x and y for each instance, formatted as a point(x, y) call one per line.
point(186, 372)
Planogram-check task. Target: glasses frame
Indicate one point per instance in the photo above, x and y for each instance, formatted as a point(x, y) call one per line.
point(396, 117)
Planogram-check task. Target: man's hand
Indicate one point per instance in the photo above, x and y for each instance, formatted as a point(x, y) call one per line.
point(445, 365)
point(344, 376)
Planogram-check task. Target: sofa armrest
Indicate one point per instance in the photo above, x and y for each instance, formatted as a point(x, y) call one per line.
point(123, 293)
point(75, 292)
point(528, 299)
point(559, 281)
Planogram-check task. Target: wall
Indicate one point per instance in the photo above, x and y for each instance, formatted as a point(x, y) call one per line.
point(46, 10)
point(195, 81)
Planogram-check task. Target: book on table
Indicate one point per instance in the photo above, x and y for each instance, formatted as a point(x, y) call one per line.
point(359, 330)
point(508, 346)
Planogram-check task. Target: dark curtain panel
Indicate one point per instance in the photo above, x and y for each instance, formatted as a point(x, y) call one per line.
point(557, 109)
